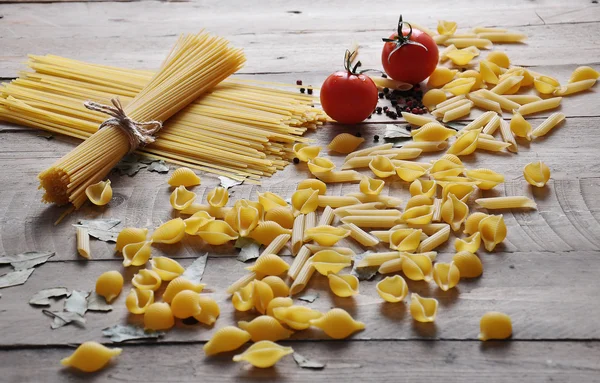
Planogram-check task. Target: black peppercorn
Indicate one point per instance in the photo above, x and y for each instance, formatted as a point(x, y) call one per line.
point(375, 138)
point(309, 91)
point(302, 90)
point(296, 160)
point(380, 94)
point(384, 75)
point(386, 90)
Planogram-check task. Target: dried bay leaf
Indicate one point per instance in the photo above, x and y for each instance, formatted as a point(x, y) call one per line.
point(42, 297)
point(27, 260)
point(227, 182)
point(159, 167)
point(249, 252)
point(102, 229)
point(15, 278)
point(396, 132)
point(121, 333)
point(363, 273)
point(304, 362)
point(97, 302)
point(77, 302)
point(310, 298)
point(195, 271)
point(131, 164)
point(63, 318)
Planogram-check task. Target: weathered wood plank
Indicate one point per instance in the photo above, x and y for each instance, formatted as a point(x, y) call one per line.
point(346, 361)
point(531, 287)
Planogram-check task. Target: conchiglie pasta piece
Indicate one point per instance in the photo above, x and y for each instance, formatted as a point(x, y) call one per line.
point(465, 144)
point(499, 58)
point(488, 179)
point(196, 221)
point(247, 220)
point(469, 265)
point(446, 27)
point(146, 280)
point(181, 198)
point(109, 285)
point(169, 232)
point(446, 164)
point(418, 200)
point(454, 212)
point(130, 235)
point(432, 132)
point(545, 84)
point(243, 299)
point(493, 231)
point(305, 153)
point(345, 285)
point(495, 325)
point(461, 190)
point(440, 77)
point(269, 264)
point(137, 300)
point(278, 285)
point(405, 239)
point(418, 215)
point(417, 267)
point(99, 193)
point(180, 284)
point(337, 324)
point(266, 231)
point(472, 74)
point(158, 316)
point(345, 143)
point(305, 201)
point(423, 309)
point(226, 339)
point(231, 217)
point(371, 186)
point(325, 235)
point(90, 357)
point(265, 327)
point(472, 222)
point(382, 166)
point(423, 187)
point(470, 244)
point(446, 275)
point(209, 312)
point(261, 296)
point(536, 173)
point(460, 86)
point(282, 215)
point(279, 302)
point(218, 197)
point(217, 233)
point(520, 127)
point(319, 165)
point(461, 56)
point(583, 73)
point(313, 183)
point(271, 200)
point(409, 172)
point(186, 304)
point(263, 354)
point(433, 97)
point(137, 254)
point(392, 289)
point(184, 177)
point(296, 317)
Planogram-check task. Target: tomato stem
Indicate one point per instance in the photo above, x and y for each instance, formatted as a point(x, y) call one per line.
point(348, 57)
point(400, 40)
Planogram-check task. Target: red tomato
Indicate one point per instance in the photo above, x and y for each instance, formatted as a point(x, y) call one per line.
point(348, 97)
point(415, 58)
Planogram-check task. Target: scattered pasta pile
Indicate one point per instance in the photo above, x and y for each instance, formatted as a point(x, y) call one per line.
point(242, 129)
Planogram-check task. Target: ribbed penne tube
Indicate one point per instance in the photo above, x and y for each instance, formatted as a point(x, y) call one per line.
point(216, 212)
point(435, 240)
point(539, 106)
point(342, 211)
point(367, 151)
point(416, 119)
point(372, 212)
point(340, 176)
point(506, 84)
point(511, 202)
point(523, 98)
point(341, 250)
point(492, 125)
point(426, 146)
point(449, 101)
point(456, 113)
point(548, 124)
point(479, 29)
point(503, 37)
point(389, 201)
point(298, 233)
point(507, 136)
point(327, 216)
point(337, 201)
point(306, 272)
point(384, 235)
point(429, 229)
point(423, 28)
point(437, 210)
point(468, 42)
point(424, 165)
point(83, 242)
point(362, 161)
point(485, 104)
point(491, 145)
point(243, 281)
point(479, 122)
point(440, 111)
point(277, 244)
point(303, 254)
point(361, 236)
point(310, 220)
point(504, 102)
point(399, 153)
point(377, 259)
point(391, 266)
point(372, 221)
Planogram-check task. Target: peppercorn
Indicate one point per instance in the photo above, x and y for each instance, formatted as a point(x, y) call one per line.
point(302, 90)
point(296, 160)
point(369, 116)
point(378, 110)
point(380, 94)
point(409, 103)
point(384, 75)
point(415, 110)
point(309, 91)
point(407, 109)
point(393, 115)
point(408, 127)
point(298, 82)
point(385, 108)
point(394, 102)
point(386, 90)
point(375, 138)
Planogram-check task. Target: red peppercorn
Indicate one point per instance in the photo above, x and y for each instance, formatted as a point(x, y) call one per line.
point(415, 110)
point(409, 103)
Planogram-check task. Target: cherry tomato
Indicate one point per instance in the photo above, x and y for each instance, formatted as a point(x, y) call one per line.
point(348, 97)
point(410, 58)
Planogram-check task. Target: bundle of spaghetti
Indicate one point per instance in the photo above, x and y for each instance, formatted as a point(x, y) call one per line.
point(196, 64)
point(243, 129)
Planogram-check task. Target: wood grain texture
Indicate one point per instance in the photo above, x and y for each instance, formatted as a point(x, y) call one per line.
point(346, 361)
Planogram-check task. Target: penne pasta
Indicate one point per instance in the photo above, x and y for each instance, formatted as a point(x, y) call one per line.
point(362, 161)
point(485, 104)
point(491, 145)
point(435, 240)
point(342, 211)
point(372, 221)
point(437, 210)
point(243, 281)
point(303, 254)
point(504, 85)
point(488, 29)
point(377, 259)
point(450, 101)
point(298, 233)
point(388, 201)
point(548, 124)
point(391, 266)
point(361, 236)
point(342, 250)
point(467, 42)
point(327, 216)
point(398, 153)
point(511, 202)
point(310, 220)
point(503, 37)
point(523, 98)
point(539, 106)
point(426, 146)
point(340, 176)
point(439, 112)
point(456, 113)
point(492, 125)
point(367, 151)
point(574, 87)
point(83, 242)
point(429, 229)
point(416, 119)
point(337, 201)
point(479, 121)
point(302, 279)
point(372, 212)
point(507, 136)
point(504, 102)
point(384, 235)
point(276, 245)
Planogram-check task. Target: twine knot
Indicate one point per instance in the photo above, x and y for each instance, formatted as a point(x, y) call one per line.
point(138, 133)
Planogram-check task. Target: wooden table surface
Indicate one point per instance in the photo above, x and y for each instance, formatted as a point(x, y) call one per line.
point(546, 275)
